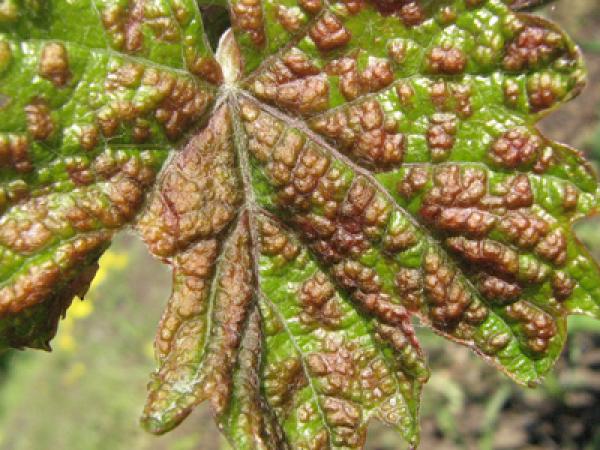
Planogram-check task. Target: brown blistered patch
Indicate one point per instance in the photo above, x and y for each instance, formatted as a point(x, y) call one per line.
point(553, 247)
point(461, 95)
point(537, 325)
point(180, 102)
point(495, 256)
point(353, 6)
point(89, 137)
point(366, 290)
point(405, 93)
point(182, 321)
point(416, 179)
point(409, 285)
point(40, 124)
point(79, 170)
point(30, 233)
point(338, 365)
point(248, 17)
point(311, 165)
point(291, 19)
point(205, 67)
point(14, 152)
point(345, 416)
point(234, 292)
point(458, 201)
point(364, 132)
point(329, 33)
point(124, 25)
point(531, 47)
point(562, 285)
point(35, 223)
point(446, 59)
point(441, 135)
point(377, 75)
point(274, 242)
point(399, 237)
point(570, 197)
point(54, 64)
point(543, 90)
point(446, 294)
point(262, 130)
point(282, 380)
point(518, 192)
point(344, 231)
point(409, 11)
point(317, 296)
point(36, 283)
point(498, 290)
point(524, 227)
point(515, 148)
point(189, 203)
point(311, 6)
point(295, 83)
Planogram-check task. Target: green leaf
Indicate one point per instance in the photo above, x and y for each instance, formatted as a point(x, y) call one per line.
point(334, 172)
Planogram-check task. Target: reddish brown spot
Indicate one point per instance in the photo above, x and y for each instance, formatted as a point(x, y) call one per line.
point(553, 247)
point(498, 289)
point(363, 131)
point(488, 253)
point(14, 152)
point(54, 64)
point(415, 180)
point(532, 47)
point(441, 135)
point(516, 147)
point(538, 326)
point(247, 16)
point(39, 121)
point(295, 83)
point(448, 297)
point(446, 60)
point(329, 33)
point(409, 11)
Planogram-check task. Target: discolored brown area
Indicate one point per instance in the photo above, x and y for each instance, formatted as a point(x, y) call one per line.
point(14, 152)
point(317, 297)
point(294, 83)
point(247, 16)
point(329, 33)
point(538, 326)
point(36, 283)
point(176, 103)
point(209, 367)
point(54, 63)
point(40, 124)
point(183, 318)
point(441, 136)
point(363, 132)
point(532, 47)
point(446, 60)
point(199, 193)
point(515, 148)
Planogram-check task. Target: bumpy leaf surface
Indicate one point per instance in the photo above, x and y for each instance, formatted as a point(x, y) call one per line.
point(335, 170)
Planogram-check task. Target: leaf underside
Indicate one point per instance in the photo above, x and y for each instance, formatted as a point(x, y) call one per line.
point(338, 171)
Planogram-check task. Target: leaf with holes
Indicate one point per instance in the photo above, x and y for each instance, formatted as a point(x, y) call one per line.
point(332, 171)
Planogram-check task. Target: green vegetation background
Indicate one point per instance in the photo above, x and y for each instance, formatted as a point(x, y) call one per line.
point(87, 394)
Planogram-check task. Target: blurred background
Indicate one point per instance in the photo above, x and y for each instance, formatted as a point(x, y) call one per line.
point(88, 393)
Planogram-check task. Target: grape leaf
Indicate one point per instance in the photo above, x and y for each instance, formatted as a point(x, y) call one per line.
point(334, 171)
